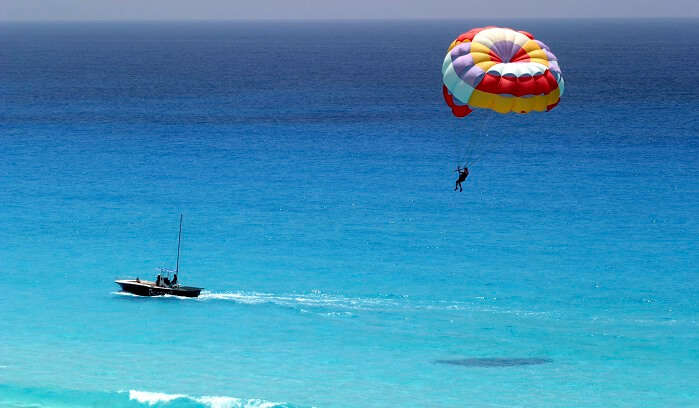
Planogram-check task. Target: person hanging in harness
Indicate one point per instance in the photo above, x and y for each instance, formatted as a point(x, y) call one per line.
point(463, 173)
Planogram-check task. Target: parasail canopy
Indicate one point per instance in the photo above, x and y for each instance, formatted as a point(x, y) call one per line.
point(500, 69)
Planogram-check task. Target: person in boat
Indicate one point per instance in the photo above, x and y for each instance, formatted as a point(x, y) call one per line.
point(174, 280)
point(463, 174)
point(158, 280)
point(138, 280)
point(166, 280)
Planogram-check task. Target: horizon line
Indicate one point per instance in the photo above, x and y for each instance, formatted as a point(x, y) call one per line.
point(336, 19)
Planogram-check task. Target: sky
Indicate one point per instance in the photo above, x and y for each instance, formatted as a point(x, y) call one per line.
point(28, 10)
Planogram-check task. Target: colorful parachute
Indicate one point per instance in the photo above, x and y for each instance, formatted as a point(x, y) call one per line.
point(500, 69)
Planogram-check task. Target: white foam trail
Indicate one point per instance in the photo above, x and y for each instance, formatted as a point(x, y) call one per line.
point(124, 294)
point(342, 306)
point(304, 300)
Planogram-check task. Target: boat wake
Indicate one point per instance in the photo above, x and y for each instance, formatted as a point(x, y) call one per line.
point(339, 306)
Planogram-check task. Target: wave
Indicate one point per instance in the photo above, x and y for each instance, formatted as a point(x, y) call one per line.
point(162, 400)
point(22, 397)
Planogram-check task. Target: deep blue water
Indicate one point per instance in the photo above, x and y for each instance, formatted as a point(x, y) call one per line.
point(314, 163)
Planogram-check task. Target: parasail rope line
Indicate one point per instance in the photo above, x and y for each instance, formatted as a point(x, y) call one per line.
point(484, 129)
point(459, 149)
point(467, 148)
point(489, 142)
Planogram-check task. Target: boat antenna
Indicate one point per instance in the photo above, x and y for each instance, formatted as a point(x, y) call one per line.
point(179, 240)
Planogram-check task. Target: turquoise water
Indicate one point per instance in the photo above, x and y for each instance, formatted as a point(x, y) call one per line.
point(313, 163)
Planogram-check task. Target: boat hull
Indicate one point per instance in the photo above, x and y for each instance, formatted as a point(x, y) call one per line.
point(145, 288)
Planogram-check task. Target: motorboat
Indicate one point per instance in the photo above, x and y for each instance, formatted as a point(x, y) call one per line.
point(162, 285)
point(148, 288)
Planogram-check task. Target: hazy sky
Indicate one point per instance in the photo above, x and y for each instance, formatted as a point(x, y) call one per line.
point(313, 9)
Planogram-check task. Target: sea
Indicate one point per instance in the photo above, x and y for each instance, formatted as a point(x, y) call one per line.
point(313, 163)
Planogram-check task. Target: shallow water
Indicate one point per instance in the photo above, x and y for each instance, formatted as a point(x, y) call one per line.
point(314, 167)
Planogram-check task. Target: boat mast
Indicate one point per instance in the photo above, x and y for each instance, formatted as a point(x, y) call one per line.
point(179, 240)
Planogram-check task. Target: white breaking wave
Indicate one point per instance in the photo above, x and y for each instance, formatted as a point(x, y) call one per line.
point(229, 402)
point(153, 398)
